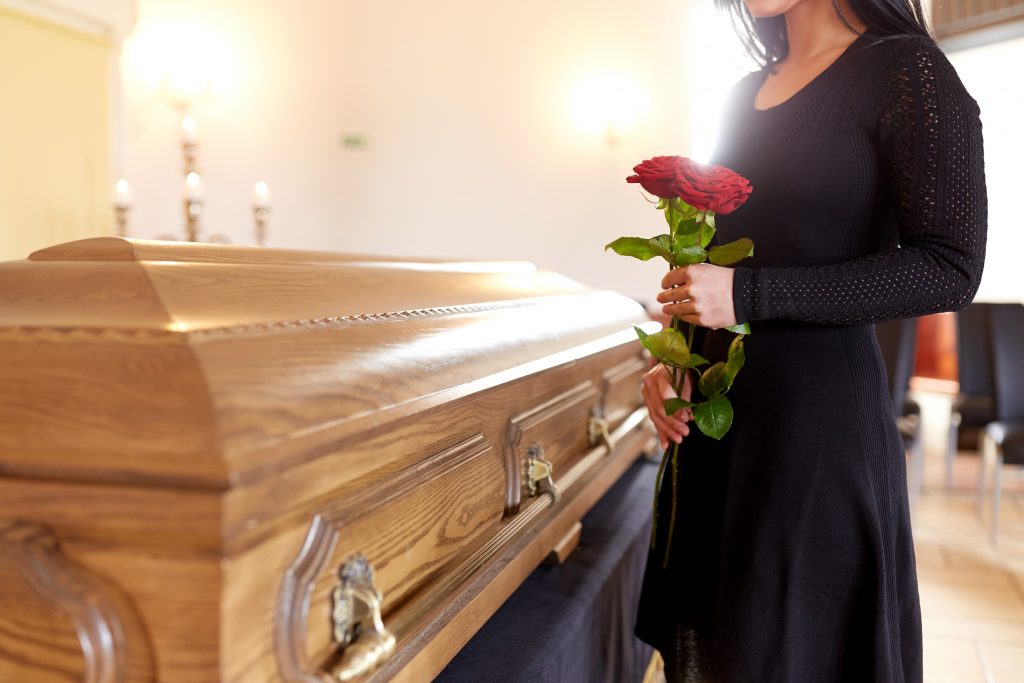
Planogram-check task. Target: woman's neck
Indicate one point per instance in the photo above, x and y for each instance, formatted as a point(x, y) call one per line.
point(813, 29)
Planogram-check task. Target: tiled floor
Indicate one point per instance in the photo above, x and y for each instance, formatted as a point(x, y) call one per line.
point(972, 592)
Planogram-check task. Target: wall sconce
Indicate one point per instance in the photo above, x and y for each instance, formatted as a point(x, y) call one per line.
point(609, 104)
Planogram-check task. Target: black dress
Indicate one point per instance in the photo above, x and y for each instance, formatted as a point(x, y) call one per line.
point(792, 560)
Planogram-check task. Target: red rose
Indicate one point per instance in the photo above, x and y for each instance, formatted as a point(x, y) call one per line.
point(715, 188)
point(658, 176)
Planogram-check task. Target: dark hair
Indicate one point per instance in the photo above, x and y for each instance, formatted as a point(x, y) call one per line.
point(766, 42)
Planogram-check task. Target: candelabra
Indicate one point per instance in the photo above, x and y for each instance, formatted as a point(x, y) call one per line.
point(122, 206)
point(193, 203)
point(261, 210)
point(193, 196)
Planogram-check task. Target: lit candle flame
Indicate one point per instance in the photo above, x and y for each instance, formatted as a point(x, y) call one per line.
point(261, 195)
point(193, 186)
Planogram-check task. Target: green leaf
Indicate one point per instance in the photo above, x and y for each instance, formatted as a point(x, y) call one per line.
point(637, 247)
point(696, 360)
point(668, 346)
point(706, 235)
point(742, 328)
point(713, 381)
point(662, 203)
point(734, 361)
point(714, 417)
point(642, 248)
point(733, 252)
point(674, 405)
point(673, 215)
point(687, 256)
point(688, 225)
point(663, 245)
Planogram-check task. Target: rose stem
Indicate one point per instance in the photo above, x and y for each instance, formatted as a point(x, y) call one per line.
point(677, 383)
point(700, 240)
point(675, 499)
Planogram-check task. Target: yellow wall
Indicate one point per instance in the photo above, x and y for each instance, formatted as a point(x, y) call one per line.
point(54, 135)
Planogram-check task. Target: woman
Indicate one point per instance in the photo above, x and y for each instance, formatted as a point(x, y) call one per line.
point(792, 559)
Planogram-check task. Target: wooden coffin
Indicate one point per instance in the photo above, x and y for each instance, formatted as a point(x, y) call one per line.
point(225, 463)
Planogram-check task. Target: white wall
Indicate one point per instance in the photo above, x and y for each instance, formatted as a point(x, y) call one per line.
point(991, 75)
point(472, 150)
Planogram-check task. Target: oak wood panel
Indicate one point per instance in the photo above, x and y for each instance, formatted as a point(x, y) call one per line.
point(180, 414)
point(253, 362)
point(279, 394)
point(61, 622)
point(38, 639)
point(558, 427)
point(116, 514)
point(481, 596)
point(568, 543)
point(356, 462)
point(488, 413)
point(177, 596)
point(621, 389)
point(62, 417)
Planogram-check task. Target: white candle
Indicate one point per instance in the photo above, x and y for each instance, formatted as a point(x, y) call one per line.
point(188, 129)
point(193, 187)
point(261, 195)
point(122, 194)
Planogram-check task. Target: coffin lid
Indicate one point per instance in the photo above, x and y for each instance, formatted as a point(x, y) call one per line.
point(209, 365)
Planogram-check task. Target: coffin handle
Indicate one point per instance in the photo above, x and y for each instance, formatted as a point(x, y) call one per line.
point(540, 474)
point(598, 432)
point(362, 640)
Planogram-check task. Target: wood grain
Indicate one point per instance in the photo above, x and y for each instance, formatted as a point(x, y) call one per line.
point(205, 433)
point(59, 622)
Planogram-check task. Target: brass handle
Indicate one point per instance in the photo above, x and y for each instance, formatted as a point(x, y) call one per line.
point(540, 474)
point(598, 432)
point(363, 642)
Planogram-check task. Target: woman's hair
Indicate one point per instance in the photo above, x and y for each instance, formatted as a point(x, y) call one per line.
point(766, 42)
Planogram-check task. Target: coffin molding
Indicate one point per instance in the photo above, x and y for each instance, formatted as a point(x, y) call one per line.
point(48, 589)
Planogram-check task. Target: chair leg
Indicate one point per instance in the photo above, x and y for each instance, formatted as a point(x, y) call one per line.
point(951, 448)
point(997, 493)
point(916, 469)
point(983, 456)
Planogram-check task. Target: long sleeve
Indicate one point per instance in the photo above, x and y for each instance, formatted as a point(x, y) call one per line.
point(931, 161)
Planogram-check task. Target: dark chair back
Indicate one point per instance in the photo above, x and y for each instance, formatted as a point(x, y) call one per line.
point(974, 350)
point(1008, 360)
point(897, 340)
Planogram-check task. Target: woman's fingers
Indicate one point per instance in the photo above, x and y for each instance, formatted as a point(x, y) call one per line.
point(700, 294)
point(681, 309)
point(676, 278)
point(656, 388)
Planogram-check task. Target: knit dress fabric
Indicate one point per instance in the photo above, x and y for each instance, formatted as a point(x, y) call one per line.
point(792, 557)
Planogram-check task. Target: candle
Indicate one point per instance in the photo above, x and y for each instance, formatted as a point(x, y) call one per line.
point(261, 195)
point(193, 187)
point(122, 194)
point(188, 130)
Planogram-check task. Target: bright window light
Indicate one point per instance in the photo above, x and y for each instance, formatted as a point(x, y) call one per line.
point(716, 60)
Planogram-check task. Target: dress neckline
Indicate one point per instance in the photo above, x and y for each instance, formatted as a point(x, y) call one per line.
point(809, 87)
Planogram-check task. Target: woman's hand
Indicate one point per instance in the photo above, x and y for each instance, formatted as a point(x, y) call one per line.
point(700, 294)
point(656, 389)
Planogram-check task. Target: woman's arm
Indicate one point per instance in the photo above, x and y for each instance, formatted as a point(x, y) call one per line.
point(930, 144)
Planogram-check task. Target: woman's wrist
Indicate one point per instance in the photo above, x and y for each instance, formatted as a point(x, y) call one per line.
point(744, 294)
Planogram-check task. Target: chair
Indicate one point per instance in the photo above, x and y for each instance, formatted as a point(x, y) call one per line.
point(1003, 439)
point(897, 340)
point(973, 407)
